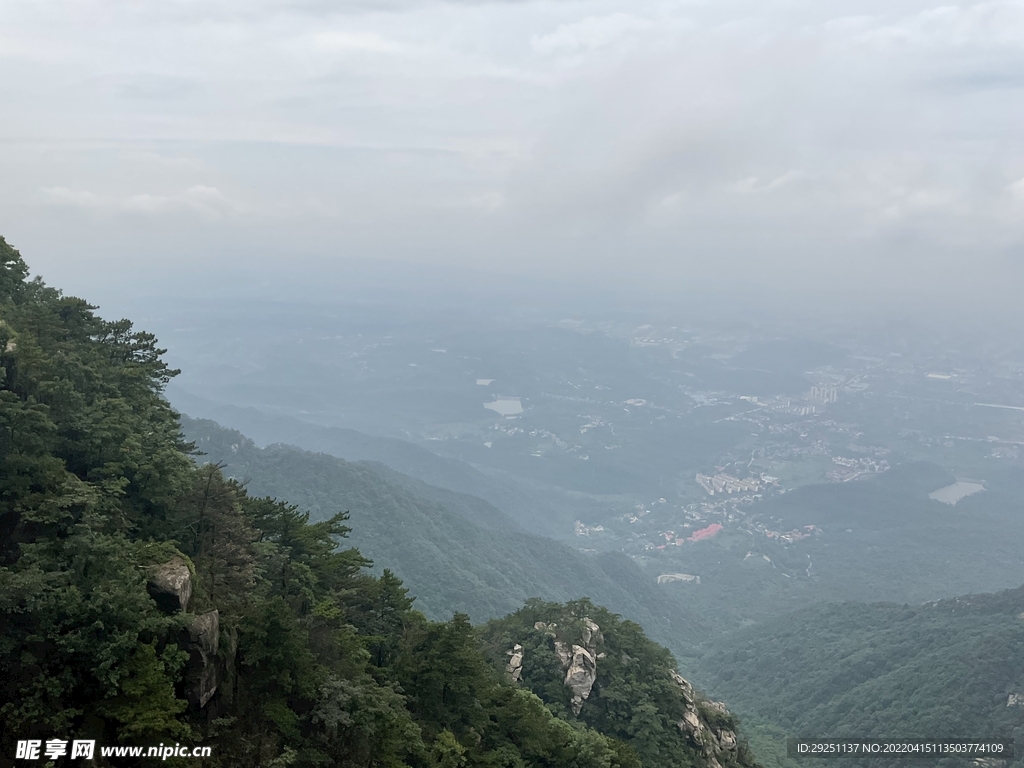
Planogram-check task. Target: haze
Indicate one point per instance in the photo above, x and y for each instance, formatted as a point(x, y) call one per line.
point(860, 151)
point(572, 319)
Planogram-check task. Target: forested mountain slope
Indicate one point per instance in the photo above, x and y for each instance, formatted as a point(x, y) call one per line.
point(950, 668)
point(879, 536)
point(146, 599)
point(534, 509)
point(456, 552)
point(587, 663)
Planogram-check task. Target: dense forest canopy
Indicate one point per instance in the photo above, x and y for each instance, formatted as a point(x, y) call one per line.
point(849, 669)
point(146, 598)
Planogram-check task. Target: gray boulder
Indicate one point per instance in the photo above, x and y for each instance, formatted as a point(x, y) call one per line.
point(170, 584)
point(581, 676)
point(515, 662)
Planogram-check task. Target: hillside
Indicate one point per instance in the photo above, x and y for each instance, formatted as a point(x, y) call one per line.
point(488, 564)
point(148, 599)
point(541, 512)
point(587, 664)
point(879, 535)
point(951, 667)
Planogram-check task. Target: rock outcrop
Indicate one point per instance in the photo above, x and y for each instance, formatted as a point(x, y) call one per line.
point(170, 584)
point(580, 676)
point(201, 644)
point(684, 686)
point(609, 677)
point(717, 744)
point(515, 663)
point(591, 632)
point(578, 661)
point(563, 653)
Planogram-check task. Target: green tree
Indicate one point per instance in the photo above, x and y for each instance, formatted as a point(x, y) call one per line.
point(144, 705)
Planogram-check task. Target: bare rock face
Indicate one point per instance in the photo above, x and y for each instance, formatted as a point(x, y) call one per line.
point(684, 686)
point(202, 642)
point(727, 741)
point(580, 676)
point(714, 742)
point(591, 633)
point(563, 654)
point(515, 663)
point(691, 722)
point(578, 661)
point(170, 584)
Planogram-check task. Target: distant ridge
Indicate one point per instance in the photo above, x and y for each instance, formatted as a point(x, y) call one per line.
point(951, 666)
point(455, 552)
point(532, 510)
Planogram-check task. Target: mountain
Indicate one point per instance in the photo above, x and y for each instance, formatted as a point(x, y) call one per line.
point(456, 552)
point(537, 510)
point(949, 668)
point(146, 598)
point(587, 664)
point(880, 537)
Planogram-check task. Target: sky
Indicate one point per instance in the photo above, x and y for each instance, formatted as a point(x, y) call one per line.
point(868, 153)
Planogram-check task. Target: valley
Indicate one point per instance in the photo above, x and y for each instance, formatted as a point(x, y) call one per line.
point(779, 466)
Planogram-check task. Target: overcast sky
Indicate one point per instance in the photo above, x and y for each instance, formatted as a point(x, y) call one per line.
point(824, 147)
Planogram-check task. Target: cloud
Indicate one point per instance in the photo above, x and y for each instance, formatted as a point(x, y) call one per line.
point(858, 137)
point(62, 196)
point(929, 200)
point(208, 202)
point(368, 42)
point(591, 33)
point(668, 206)
point(750, 185)
point(956, 26)
point(484, 201)
point(158, 87)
